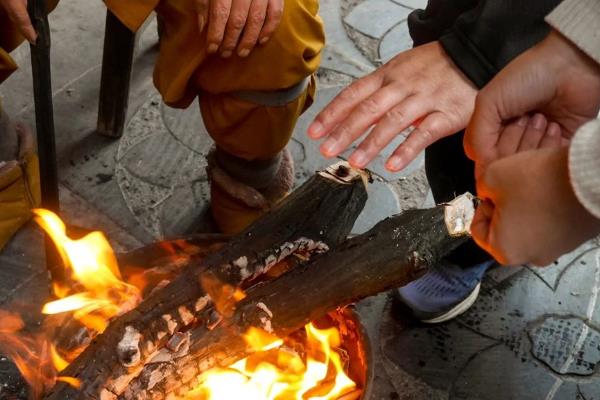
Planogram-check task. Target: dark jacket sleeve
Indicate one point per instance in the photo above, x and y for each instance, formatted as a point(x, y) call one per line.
point(483, 39)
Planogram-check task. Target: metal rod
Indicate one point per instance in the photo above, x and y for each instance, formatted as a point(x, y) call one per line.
point(44, 120)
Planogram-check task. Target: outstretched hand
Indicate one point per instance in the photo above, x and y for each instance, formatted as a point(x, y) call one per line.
point(421, 87)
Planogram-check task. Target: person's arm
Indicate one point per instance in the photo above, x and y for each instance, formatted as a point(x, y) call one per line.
point(579, 21)
point(431, 23)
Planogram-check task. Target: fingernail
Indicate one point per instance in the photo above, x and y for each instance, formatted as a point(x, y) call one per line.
point(330, 147)
point(243, 53)
point(226, 54)
point(264, 40)
point(523, 121)
point(538, 121)
point(201, 23)
point(212, 48)
point(394, 163)
point(359, 159)
point(315, 129)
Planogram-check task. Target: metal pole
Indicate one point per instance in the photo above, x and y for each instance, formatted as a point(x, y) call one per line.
point(44, 120)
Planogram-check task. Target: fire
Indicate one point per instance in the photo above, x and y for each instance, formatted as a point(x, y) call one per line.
point(97, 293)
point(310, 367)
point(276, 372)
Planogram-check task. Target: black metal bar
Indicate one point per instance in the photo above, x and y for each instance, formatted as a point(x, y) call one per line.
point(44, 120)
point(117, 61)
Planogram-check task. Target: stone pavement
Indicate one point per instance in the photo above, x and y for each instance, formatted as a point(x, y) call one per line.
point(533, 334)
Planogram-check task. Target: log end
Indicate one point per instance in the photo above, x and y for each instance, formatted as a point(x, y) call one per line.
point(459, 213)
point(343, 173)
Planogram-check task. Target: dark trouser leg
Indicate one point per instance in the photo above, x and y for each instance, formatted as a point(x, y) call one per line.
point(451, 173)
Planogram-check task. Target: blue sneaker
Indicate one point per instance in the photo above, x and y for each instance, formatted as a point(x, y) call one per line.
point(443, 293)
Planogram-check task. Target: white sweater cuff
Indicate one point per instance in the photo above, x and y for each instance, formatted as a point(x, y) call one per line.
point(584, 166)
point(579, 21)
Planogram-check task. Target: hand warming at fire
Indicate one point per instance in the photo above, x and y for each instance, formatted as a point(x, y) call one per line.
point(422, 84)
point(532, 210)
point(530, 213)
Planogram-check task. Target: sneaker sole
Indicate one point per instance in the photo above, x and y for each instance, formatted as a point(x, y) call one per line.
point(458, 309)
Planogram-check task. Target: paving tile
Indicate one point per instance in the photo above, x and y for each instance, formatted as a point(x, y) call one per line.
point(386, 13)
point(341, 54)
point(525, 337)
point(415, 4)
point(394, 42)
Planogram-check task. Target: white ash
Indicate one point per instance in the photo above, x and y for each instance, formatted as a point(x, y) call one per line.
point(202, 302)
point(128, 348)
point(177, 340)
point(242, 264)
point(266, 324)
point(264, 307)
point(302, 244)
point(186, 316)
point(171, 323)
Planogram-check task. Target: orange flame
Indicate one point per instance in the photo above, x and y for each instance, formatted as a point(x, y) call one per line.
point(98, 293)
point(278, 373)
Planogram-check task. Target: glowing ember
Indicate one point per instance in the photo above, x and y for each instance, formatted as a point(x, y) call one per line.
point(98, 293)
point(276, 372)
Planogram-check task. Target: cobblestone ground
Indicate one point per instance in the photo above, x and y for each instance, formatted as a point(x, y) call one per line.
point(533, 334)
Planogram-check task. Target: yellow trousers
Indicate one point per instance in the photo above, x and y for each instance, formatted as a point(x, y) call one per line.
point(242, 128)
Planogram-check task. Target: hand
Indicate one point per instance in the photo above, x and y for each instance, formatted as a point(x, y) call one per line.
point(421, 84)
point(17, 13)
point(530, 213)
point(529, 133)
point(553, 78)
point(238, 24)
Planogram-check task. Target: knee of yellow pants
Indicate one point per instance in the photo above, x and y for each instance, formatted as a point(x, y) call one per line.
point(251, 131)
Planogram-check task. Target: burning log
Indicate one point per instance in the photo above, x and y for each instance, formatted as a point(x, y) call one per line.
point(393, 253)
point(312, 219)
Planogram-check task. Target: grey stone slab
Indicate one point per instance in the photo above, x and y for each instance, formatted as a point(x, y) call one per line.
point(341, 54)
point(385, 12)
point(414, 4)
point(522, 339)
point(395, 42)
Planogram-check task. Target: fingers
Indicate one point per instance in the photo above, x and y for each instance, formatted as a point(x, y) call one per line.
point(535, 131)
point(432, 128)
point(17, 13)
point(510, 139)
point(553, 136)
point(274, 15)
point(363, 116)
point(341, 106)
point(235, 24)
point(481, 135)
point(254, 24)
point(202, 8)
point(219, 11)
